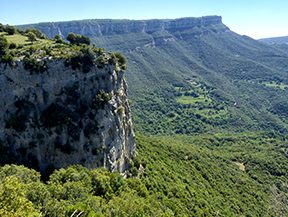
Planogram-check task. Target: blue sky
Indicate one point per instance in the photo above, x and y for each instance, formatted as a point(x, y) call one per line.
point(255, 18)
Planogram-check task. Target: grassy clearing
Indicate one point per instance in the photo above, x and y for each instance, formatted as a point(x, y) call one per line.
point(274, 84)
point(20, 39)
point(193, 100)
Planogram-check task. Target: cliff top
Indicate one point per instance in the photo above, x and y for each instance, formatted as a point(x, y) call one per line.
point(34, 49)
point(121, 21)
point(110, 26)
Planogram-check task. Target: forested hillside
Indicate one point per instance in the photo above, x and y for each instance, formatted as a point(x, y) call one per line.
point(210, 110)
point(191, 80)
point(240, 175)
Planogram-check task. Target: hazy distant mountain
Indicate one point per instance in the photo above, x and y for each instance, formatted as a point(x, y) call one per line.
point(276, 40)
point(193, 75)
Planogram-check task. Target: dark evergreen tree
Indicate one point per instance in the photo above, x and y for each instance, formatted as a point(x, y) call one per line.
point(71, 38)
point(10, 29)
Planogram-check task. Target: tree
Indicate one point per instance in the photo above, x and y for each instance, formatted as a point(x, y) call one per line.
point(121, 60)
point(10, 29)
point(12, 199)
point(71, 38)
point(85, 40)
point(2, 27)
point(78, 39)
point(12, 45)
point(56, 37)
point(3, 43)
point(31, 36)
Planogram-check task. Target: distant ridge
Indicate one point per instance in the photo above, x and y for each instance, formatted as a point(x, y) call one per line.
point(99, 27)
point(275, 40)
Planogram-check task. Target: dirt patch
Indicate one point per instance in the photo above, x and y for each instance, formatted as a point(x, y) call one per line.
point(240, 165)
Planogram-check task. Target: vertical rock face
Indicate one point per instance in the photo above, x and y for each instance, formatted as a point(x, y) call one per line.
point(107, 27)
point(62, 116)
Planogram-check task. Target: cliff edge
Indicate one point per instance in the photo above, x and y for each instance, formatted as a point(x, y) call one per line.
point(56, 114)
point(103, 27)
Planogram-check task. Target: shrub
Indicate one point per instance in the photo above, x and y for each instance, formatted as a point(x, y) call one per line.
point(7, 58)
point(36, 32)
point(3, 43)
point(20, 46)
point(31, 64)
point(60, 41)
point(91, 128)
point(120, 110)
point(17, 122)
point(100, 99)
point(56, 37)
point(12, 45)
point(120, 59)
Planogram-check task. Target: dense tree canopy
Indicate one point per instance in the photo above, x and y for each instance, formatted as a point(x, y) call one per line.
point(78, 39)
point(10, 29)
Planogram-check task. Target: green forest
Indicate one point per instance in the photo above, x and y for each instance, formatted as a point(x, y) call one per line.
point(239, 175)
point(209, 142)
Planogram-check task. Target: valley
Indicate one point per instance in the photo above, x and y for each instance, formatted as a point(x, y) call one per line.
point(209, 109)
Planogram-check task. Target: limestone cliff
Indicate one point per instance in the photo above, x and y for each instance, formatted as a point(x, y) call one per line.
point(63, 116)
point(109, 27)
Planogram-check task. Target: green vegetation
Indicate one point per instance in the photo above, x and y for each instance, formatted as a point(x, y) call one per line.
point(3, 43)
point(31, 36)
point(181, 176)
point(36, 54)
point(236, 68)
point(78, 39)
point(190, 95)
point(11, 30)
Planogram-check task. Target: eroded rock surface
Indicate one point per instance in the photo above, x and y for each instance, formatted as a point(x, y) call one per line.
point(62, 116)
point(108, 27)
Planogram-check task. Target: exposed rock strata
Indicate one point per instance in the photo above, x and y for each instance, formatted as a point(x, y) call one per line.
point(107, 27)
point(49, 119)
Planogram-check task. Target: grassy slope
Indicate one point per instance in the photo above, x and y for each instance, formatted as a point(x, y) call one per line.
point(21, 39)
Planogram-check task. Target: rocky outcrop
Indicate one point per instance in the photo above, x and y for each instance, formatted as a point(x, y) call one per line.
point(62, 117)
point(107, 27)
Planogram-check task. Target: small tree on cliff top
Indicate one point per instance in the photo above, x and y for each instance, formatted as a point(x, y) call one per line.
point(31, 37)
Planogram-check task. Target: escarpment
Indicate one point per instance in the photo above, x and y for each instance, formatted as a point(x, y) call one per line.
point(62, 116)
point(109, 27)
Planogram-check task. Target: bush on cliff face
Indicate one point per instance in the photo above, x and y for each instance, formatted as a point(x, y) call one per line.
point(84, 59)
point(118, 57)
point(55, 115)
point(17, 122)
point(31, 63)
point(100, 99)
point(7, 58)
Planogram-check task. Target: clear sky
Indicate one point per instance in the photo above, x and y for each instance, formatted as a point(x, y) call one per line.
point(255, 18)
